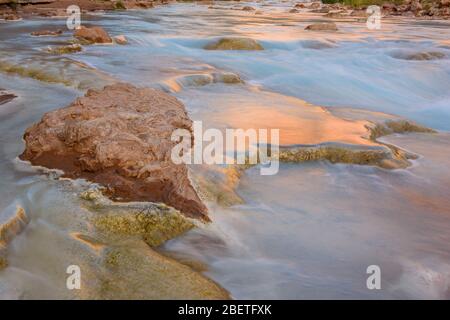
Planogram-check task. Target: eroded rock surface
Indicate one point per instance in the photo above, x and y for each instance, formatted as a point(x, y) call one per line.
point(119, 137)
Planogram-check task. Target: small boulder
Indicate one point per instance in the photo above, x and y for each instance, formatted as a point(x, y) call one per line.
point(120, 39)
point(248, 8)
point(293, 11)
point(92, 35)
point(325, 26)
point(234, 44)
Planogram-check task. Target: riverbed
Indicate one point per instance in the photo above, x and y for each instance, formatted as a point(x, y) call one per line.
point(309, 231)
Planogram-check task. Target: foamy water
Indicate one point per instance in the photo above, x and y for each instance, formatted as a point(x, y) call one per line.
point(311, 230)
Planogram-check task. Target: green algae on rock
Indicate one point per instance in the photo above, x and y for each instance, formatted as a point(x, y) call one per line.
point(234, 44)
point(138, 272)
point(57, 69)
point(126, 265)
point(72, 48)
point(359, 155)
point(155, 223)
point(396, 126)
point(31, 72)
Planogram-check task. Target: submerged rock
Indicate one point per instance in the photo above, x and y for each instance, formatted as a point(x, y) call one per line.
point(325, 26)
point(71, 48)
point(138, 272)
point(334, 153)
point(5, 96)
point(119, 137)
point(419, 56)
point(396, 126)
point(382, 155)
point(12, 17)
point(10, 228)
point(92, 35)
point(123, 262)
point(334, 15)
point(248, 8)
point(218, 184)
point(154, 223)
point(42, 33)
point(63, 70)
point(234, 44)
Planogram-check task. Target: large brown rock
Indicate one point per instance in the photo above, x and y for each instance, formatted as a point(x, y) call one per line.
point(92, 35)
point(119, 137)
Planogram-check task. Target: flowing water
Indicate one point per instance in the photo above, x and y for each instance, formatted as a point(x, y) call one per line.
point(308, 232)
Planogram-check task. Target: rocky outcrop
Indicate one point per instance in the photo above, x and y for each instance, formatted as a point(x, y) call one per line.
point(5, 96)
point(326, 26)
point(119, 137)
point(420, 8)
point(234, 44)
point(92, 35)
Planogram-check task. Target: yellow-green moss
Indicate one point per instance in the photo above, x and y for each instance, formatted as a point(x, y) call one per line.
point(30, 72)
point(73, 48)
point(396, 126)
point(154, 224)
point(134, 271)
point(119, 5)
point(333, 154)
